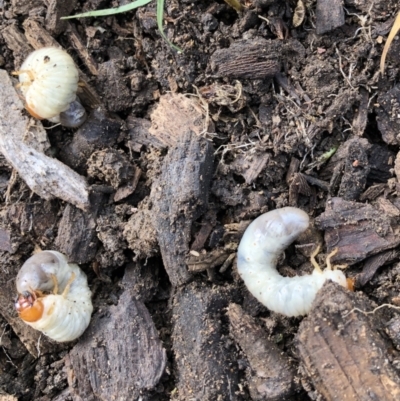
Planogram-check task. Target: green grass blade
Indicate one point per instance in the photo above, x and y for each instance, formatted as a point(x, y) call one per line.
point(160, 15)
point(111, 11)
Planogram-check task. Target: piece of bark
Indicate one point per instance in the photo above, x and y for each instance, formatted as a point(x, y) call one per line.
point(55, 10)
point(358, 230)
point(372, 192)
point(208, 222)
point(249, 166)
point(381, 162)
point(112, 85)
point(270, 376)
point(119, 356)
point(142, 279)
point(37, 36)
point(329, 15)
point(203, 361)
point(388, 115)
point(47, 177)
point(255, 59)
point(179, 198)
point(124, 191)
point(139, 135)
point(360, 119)
point(207, 260)
point(372, 264)
point(174, 115)
point(342, 351)
point(16, 41)
point(356, 170)
point(5, 240)
point(24, 6)
point(77, 236)
point(99, 131)
point(78, 44)
point(393, 331)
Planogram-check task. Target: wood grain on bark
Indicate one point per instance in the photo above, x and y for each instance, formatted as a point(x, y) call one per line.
point(203, 362)
point(255, 59)
point(179, 198)
point(270, 376)
point(119, 357)
point(77, 236)
point(358, 230)
point(47, 177)
point(342, 352)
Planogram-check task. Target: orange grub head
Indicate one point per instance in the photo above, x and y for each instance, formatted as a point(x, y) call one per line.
point(29, 307)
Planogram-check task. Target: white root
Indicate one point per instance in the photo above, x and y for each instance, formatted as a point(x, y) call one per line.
point(262, 243)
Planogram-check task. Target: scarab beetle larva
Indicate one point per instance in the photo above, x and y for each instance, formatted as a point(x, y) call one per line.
point(53, 296)
point(262, 243)
point(49, 82)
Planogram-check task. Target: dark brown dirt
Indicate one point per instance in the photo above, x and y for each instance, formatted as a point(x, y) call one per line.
point(266, 105)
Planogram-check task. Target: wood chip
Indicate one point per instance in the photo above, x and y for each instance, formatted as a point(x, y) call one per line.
point(329, 15)
point(342, 351)
point(179, 197)
point(358, 230)
point(202, 375)
point(119, 356)
point(47, 177)
point(270, 377)
point(255, 59)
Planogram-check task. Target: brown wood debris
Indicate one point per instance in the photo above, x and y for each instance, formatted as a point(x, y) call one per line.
point(255, 59)
point(179, 197)
point(77, 235)
point(358, 230)
point(388, 115)
point(329, 15)
point(120, 355)
point(270, 376)
point(203, 361)
point(342, 352)
point(372, 264)
point(47, 177)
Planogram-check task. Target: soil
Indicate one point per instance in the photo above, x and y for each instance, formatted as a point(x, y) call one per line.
point(275, 105)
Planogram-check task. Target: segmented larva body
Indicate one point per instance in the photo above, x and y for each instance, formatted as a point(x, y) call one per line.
point(262, 243)
point(48, 82)
point(54, 296)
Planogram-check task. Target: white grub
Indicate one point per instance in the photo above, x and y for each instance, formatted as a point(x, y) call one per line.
point(54, 296)
point(262, 243)
point(48, 82)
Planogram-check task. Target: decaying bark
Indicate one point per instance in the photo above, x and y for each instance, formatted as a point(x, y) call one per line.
point(342, 352)
point(329, 15)
point(388, 113)
point(47, 177)
point(179, 197)
point(119, 356)
point(203, 361)
point(255, 59)
point(270, 376)
point(358, 230)
point(77, 236)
